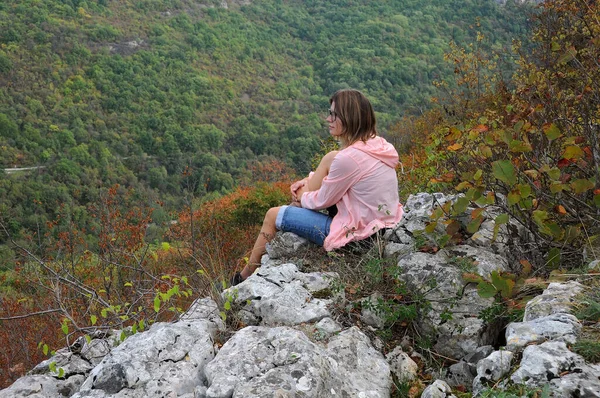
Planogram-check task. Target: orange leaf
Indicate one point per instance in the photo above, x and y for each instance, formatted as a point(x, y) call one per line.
point(560, 209)
point(482, 128)
point(475, 213)
point(455, 147)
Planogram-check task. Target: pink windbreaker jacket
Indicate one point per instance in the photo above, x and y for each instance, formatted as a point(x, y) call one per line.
point(362, 182)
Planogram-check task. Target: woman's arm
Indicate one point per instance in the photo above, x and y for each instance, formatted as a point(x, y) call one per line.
point(343, 174)
point(321, 172)
point(314, 181)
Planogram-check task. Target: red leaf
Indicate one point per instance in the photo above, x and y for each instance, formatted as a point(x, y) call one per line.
point(563, 163)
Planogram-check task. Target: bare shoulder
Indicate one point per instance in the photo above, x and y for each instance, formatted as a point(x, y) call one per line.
point(328, 158)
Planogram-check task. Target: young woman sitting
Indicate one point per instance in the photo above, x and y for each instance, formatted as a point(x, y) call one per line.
point(360, 180)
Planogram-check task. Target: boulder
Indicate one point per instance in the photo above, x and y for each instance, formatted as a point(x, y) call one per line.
point(168, 359)
point(561, 327)
point(557, 298)
point(285, 244)
point(552, 362)
point(402, 365)
point(454, 308)
point(438, 389)
point(281, 361)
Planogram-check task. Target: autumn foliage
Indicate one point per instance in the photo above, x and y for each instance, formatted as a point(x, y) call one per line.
point(530, 144)
point(120, 280)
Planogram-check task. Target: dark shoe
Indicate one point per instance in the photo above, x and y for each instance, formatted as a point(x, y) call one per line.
point(236, 279)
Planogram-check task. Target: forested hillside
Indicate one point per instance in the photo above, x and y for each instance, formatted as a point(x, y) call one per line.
point(185, 97)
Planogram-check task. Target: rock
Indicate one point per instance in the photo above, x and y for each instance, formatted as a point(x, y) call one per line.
point(563, 327)
point(259, 361)
point(275, 295)
point(402, 365)
point(167, 359)
point(403, 236)
point(317, 281)
point(70, 364)
point(477, 355)
point(438, 389)
point(460, 374)
point(291, 306)
point(204, 308)
point(492, 368)
point(43, 386)
point(285, 244)
point(325, 328)
point(397, 249)
point(484, 260)
point(557, 298)
point(370, 313)
point(567, 372)
point(459, 331)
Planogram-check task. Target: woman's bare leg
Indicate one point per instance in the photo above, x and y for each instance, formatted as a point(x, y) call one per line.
point(267, 233)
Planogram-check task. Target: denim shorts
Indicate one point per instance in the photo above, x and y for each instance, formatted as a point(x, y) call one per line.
point(306, 223)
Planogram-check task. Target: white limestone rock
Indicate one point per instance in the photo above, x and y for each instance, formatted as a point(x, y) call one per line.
point(557, 298)
point(166, 359)
point(562, 327)
point(259, 361)
point(402, 365)
point(438, 389)
point(492, 368)
point(567, 372)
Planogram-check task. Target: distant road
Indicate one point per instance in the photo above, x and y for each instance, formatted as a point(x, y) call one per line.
point(15, 169)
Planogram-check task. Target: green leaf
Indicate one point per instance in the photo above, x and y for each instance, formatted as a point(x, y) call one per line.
point(223, 316)
point(64, 327)
point(430, 227)
point(552, 132)
point(540, 216)
point(500, 219)
point(45, 349)
point(557, 187)
point(582, 185)
point(554, 46)
point(520, 146)
point(504, 171)
point(227, 305)
point(461, 205)
point(61, 373)
point(597, 200)
point(142, 324)
point(93, 319)
point(503, 285)
point(156, 303)
point(525, 190)
point(553, 258)
point(165, 246)
point(474, 225)
point(122, 336)
point(88, 338)
point(554, 173)
point(513, 197)
point(486, 289)
point(573, 152)
point(104, 313)
point(52, 367)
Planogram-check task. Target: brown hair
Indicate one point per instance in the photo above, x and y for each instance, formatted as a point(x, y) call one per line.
point(356, 114)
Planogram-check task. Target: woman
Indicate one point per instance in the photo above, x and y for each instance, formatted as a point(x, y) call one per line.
point(360, 180)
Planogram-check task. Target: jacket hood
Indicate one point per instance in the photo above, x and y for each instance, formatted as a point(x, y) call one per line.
point(380, 149)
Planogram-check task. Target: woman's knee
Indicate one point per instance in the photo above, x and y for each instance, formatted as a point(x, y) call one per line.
point(271, 216)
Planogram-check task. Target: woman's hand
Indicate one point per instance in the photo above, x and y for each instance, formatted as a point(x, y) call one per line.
point(299, 194)
point(295, 187)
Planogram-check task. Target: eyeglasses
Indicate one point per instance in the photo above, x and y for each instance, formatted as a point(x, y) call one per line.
point(333, 115)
